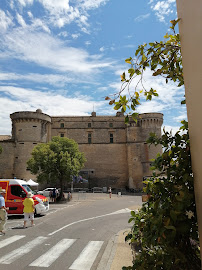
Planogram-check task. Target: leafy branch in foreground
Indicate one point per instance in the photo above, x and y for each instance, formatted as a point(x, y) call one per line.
point(166, 225)
point(162, 58)
point(165, 229)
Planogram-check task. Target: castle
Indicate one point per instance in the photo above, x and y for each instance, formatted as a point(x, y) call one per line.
point(117, 154)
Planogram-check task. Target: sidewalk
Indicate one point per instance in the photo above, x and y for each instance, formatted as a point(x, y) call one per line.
point(123, 253)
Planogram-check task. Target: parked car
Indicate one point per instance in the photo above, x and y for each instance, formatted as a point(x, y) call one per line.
point(45, 192)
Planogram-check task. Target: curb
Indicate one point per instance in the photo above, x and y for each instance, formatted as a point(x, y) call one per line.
point(109, 253)
point(117, 254)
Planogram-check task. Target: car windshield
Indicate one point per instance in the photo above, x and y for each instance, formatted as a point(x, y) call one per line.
point(28, 189)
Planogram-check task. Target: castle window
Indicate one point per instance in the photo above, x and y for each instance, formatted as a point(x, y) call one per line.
point(34, 126)
point(89, 138)
point(62, 125)
point(19, 129)
point(111, 137)
point(21, 143)
point(89, 125)
point(110, 124)
point(34, 143)
point(62, 135)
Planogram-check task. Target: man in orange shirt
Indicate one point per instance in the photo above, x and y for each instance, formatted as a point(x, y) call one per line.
point(28, 209)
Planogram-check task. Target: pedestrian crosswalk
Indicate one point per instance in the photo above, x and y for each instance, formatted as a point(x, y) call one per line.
point(49, 257)
point(84, 260)
point(87, 256)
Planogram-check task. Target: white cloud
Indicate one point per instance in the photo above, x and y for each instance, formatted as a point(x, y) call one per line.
point(102, 49)
point(30, 14)
point(37, 23)
point(182, 116)
point(20, 20)
point(6, 20)
point(90, 4)
point(47, 51)
point(63, 34)
point(59, 13)
point(142, 17)
point(163, 9)
point(20, 99)
point(88, 43)
point(25, 2)
point(56, 6)
point(75, 36)
point(51, 79)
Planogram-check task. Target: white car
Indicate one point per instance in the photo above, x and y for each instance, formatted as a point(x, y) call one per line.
point(46, 192)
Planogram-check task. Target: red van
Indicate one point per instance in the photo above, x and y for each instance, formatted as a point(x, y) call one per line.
point(16, 191)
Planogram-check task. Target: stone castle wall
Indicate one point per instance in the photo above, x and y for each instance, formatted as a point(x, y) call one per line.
point(117, 154)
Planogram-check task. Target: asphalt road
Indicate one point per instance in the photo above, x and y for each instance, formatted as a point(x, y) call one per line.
point(76, 235)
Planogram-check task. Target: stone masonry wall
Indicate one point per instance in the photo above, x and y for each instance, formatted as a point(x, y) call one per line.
point(7, 159)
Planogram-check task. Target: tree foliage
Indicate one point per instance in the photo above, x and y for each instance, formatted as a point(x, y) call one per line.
point(57, 160)
point(166, 225)
point(165, 228)
point(1, 150)
point(162, 58)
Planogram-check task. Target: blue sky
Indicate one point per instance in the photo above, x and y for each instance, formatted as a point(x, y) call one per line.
point(65, 56)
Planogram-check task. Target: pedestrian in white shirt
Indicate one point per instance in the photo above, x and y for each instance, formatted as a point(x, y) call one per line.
point(3, 209)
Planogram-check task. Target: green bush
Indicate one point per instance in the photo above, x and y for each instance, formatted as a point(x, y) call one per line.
point(166, 225)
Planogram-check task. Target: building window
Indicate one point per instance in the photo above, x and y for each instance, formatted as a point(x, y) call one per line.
point(89, 138)
point(34, 126)
point(110, 124)
point(62, 135)
point(111, 137)
point(62, 125)
point(89, 125)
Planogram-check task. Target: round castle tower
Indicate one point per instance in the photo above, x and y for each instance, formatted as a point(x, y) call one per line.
point(28, 129)
point(139, 152)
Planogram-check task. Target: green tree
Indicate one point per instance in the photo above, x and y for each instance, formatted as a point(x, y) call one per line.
point(57, 160)
point(165, 229)
point(166, 226)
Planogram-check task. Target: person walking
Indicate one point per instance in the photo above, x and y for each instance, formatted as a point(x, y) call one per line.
point(110, 192)
point(28, 209)
point(3, 209)
point(54, 195)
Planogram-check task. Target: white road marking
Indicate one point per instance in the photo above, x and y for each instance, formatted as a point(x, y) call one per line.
point(50, 256)
point(19, 252)
point(122, 211)
point(10, 240)
point(87, 256)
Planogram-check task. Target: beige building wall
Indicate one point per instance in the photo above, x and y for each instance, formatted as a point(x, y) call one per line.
point(190, 25)
point(107, 164)
point(7, 158)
